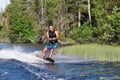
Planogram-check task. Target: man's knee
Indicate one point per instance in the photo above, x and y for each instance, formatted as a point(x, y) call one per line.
point(44, 50)
point(51, 50)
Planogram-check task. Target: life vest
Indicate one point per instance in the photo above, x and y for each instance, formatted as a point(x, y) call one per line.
point(52, 35)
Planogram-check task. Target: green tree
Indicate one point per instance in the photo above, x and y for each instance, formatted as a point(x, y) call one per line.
point(21, 22)
point(99, 19)
point(28, 19)
point(82, 34)
point(50, 9)
point(113, 21)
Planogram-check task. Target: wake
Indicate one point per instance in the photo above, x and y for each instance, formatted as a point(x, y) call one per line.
point(18, 54)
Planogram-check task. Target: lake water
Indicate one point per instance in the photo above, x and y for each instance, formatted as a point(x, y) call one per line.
point(19, 62)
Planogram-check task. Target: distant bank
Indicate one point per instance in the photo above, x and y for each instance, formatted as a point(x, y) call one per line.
point(94, 51)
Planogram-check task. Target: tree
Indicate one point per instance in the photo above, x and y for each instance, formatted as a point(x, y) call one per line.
point(89, 12)
point(113, 21)
point(20, 22)
point(28, 19)
point(50, 9)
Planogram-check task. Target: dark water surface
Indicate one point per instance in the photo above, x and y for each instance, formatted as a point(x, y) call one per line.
point(19, 62)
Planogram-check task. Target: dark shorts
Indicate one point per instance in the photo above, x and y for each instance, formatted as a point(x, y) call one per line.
point(51, 46)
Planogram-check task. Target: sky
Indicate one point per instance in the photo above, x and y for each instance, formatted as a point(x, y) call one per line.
point(3, 4)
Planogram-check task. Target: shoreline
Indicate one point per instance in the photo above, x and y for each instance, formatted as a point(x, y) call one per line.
point(93, 51)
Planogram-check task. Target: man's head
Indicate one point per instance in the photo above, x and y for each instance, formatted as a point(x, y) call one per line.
point(51, 28)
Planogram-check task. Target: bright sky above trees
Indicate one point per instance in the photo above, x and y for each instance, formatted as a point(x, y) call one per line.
point(3, 4)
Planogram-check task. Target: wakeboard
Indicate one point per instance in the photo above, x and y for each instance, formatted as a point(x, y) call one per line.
point(50, 60)
point(46, 60)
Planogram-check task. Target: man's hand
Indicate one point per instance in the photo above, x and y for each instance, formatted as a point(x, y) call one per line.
point(53, 38)
point(50, 39)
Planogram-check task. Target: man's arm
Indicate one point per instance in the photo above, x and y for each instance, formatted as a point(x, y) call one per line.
point(57, 35)
point(47, 36)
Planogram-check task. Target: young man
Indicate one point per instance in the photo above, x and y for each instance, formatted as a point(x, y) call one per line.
point(52, 36)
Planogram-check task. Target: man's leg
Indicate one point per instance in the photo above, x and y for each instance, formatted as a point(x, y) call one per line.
point(43, 53)
point(51, 53)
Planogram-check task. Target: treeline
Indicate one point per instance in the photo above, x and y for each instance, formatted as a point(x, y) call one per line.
point(79, 20)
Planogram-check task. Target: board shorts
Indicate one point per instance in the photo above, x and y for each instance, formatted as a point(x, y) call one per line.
point(51, 46)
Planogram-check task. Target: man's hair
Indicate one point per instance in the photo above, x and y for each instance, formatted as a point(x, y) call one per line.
point(49, 26)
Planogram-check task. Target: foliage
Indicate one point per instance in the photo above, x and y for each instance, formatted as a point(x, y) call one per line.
point(109, 31)
point(113, 21)
point(105, 21)
point(28, 20)
point(20, 23)
point(83, 33)
point(1, 25)
point(4, 34)
point(50, 6)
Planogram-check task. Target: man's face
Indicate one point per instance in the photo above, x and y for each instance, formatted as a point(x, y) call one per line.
point(51, 28)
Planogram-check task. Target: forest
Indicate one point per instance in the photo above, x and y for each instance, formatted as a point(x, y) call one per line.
point(79, 21)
